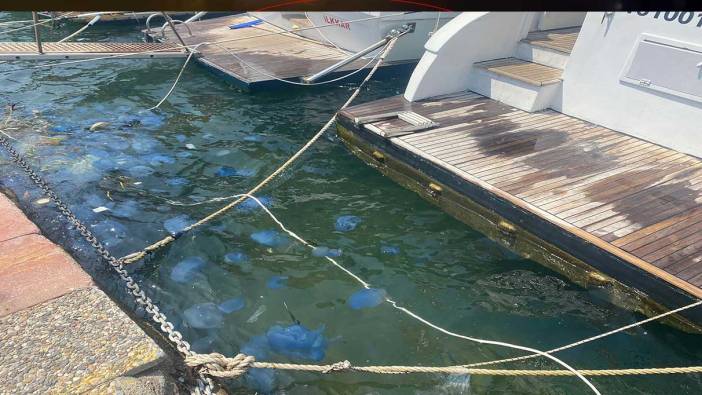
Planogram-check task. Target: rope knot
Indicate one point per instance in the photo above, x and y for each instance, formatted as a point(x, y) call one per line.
point(338, 367)
point(217, 365)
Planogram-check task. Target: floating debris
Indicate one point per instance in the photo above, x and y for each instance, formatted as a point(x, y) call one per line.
point(236, 257)
point(296, 341)
point(270, 238)
point(256, 314)
point(186, 270)
point(389, 250)
point(204, 316)
point(176, 224)
point(99, 125)
point(366, 298)
point(277, 282)
point(42, 201)
point(190, 146)
point(347, 223)
point(100, 209)
point(232, 305)
point(326, 251)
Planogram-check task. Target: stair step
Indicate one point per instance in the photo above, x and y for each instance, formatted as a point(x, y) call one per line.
point(561, 40)
point(529, 72)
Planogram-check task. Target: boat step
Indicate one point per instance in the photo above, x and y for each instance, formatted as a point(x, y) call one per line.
point(561, 40)
point(525, 85)
point(388, 126)
point(522, 70)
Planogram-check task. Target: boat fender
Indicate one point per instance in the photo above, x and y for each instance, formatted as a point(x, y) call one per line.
point(377, 155)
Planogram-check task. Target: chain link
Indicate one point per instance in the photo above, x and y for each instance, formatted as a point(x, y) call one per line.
point(204, 385)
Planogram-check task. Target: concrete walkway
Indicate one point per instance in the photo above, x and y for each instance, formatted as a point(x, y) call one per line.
point(59, 333)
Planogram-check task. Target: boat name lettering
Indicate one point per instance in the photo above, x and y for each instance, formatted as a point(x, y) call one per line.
point(336, 21)
point(682, 17)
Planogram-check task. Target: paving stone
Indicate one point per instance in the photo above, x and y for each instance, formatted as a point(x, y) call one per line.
point(72, 344)
point(13, 223)
point(34, 270)
point(152, 384)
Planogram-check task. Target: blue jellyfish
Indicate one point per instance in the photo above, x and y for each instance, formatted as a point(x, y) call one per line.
point(389, 250)
point(277, 282)
point(346, 223)
point(232, 305)
point(270, 238)
point(366, 298)
point(236, 257)
point(186, 270)
point(298, 342)
point(326, 251)
point(204, 316)
point(176, 224)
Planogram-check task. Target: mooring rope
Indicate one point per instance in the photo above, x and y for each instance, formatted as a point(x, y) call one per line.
point(217, 365)
point(182, 69)
point(138, 255)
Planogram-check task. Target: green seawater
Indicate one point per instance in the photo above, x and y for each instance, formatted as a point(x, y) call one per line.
point(445, 271)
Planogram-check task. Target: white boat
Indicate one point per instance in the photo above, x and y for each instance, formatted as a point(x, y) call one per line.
point(639, 73)
point(352, 32)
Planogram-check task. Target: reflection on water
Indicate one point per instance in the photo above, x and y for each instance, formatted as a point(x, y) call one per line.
point(224, 285)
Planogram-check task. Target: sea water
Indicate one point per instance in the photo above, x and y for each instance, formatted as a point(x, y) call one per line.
point(226, 285)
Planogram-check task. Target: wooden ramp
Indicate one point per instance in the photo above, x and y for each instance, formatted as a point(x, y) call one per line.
point(630, 208)
point(87, 50)
point(256, 62)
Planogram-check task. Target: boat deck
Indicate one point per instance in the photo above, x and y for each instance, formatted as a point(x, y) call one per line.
point(257, 62)
point(86, 50)
point(635, 203)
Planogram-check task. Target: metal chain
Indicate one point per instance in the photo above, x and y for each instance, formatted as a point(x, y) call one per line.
point(204, 384)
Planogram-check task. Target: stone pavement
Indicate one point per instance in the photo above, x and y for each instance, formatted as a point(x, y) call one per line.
point(59, 333)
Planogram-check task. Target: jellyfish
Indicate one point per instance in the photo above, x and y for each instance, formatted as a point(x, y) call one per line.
point(186, 270)
point(346, 223)
point(366, 298)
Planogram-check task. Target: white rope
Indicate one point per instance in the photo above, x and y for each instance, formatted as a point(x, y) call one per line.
point(182, 69)
point(593, 338)
point(79, 31)
point(44, 22)
point(409, 312)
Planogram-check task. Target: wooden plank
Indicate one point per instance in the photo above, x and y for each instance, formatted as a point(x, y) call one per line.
point(648, 234)
point(87, 50)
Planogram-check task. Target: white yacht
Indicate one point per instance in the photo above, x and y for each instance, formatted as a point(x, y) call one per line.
point(354, 31)
point(639, 73)
point(577, 134)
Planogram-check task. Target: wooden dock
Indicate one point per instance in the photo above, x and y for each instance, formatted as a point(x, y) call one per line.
point(257, 62)
point(628, 208)
point(87, 50)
